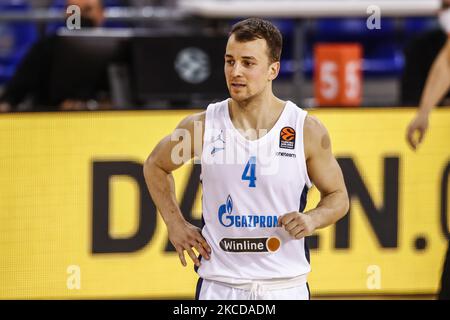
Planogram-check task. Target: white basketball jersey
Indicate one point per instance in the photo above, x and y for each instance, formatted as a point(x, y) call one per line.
point(247, 185)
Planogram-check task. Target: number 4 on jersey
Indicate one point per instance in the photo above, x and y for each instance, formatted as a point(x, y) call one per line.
point(251, 165)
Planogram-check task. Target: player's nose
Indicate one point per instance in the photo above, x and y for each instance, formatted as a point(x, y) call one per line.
point(236, 71)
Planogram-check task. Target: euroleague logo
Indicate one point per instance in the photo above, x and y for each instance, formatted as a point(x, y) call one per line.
point(287, 138)
point(193, 65)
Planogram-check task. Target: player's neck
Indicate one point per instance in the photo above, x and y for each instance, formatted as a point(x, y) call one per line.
point(258, 114)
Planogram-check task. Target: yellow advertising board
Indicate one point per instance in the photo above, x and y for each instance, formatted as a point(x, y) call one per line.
point(76, 220)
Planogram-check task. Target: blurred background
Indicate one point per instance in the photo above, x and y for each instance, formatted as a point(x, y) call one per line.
point(76, 220)
point(135, 39)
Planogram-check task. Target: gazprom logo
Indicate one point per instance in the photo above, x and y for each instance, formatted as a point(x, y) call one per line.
point(228, 219)
point(225, 217)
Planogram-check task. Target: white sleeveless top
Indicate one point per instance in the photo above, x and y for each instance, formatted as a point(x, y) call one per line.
point(247, 185)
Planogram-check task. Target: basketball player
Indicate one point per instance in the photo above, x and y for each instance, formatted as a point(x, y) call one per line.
point(436, 86)
point(252, 245)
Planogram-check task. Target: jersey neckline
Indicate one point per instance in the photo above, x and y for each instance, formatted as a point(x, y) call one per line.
point(265, 137)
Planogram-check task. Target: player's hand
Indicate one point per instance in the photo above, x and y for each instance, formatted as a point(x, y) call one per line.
point(299, 225)
point(5, 107)
point(418, 124)
point(71, 105)
point(185, 236)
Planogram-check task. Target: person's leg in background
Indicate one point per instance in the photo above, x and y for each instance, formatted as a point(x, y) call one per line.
point(444, 293)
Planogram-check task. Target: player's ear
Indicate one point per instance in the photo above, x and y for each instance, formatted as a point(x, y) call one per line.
point(274, 69)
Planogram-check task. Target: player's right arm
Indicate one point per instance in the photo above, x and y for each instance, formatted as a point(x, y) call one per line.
point(436, 86)
point(158, 175)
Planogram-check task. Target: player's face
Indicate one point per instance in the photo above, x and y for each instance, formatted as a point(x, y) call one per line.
point(248, 71)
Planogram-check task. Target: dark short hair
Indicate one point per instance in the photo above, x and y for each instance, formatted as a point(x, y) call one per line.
point(256, 28)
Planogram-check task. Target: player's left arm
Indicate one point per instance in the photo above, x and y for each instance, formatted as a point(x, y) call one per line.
point(326, 175)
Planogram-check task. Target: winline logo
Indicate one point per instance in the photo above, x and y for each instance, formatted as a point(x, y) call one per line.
point(252, 245)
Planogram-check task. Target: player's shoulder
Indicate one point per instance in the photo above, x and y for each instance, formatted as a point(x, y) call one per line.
point(316, 135)
point(313, 127)
point(191, 120)
point(200, 117)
